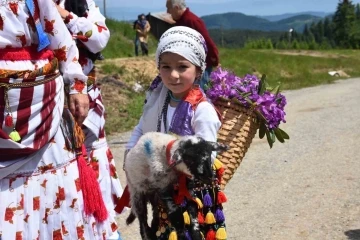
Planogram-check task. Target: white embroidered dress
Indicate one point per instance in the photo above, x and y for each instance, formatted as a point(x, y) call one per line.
point(40, 195)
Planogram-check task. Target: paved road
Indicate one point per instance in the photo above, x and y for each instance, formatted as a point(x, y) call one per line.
point(308, 188)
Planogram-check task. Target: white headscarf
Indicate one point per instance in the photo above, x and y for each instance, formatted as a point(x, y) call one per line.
point(185, 42)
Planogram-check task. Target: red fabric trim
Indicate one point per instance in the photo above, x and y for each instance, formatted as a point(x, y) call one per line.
point(26, 53)
point(24, 111)
point(170, 161)
point(123, 201)
point(7, 154)
point(195, 96)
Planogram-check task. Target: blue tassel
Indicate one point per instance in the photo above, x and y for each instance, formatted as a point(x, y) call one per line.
point(183, 204)
point(207, 200)
point(219, 215)
point(187, 235)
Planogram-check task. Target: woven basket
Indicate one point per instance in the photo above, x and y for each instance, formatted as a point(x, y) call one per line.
point(239, 126)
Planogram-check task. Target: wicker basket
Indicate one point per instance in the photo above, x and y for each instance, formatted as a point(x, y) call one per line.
point(239, 126)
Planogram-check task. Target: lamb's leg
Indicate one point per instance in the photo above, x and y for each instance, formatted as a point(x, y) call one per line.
point(194, 225)
point(154, 201)
point(175, 214)
point(139, 201)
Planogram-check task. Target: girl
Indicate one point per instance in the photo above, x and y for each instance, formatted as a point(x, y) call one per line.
point(174, 104)
point(85, 22)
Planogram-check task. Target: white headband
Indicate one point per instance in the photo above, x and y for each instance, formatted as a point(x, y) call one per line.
point(186, 42)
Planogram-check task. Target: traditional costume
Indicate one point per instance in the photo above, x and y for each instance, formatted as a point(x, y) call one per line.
point(194, 115)
point(47, 191)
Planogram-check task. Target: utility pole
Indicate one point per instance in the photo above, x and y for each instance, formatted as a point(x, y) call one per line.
point(104, 8)
point(222, 35)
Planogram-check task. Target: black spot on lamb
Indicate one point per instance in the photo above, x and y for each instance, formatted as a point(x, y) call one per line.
point(152, 167)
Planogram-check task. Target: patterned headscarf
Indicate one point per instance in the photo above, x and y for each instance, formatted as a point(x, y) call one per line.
point(185, 42)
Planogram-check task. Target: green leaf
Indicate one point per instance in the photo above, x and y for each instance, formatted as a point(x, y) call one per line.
point(276, 90)
point(279, 135)
point(88, 34)
point(269, 138)
point(284, 134)
point(262, 130)
point(262, 85)
point(272, 135)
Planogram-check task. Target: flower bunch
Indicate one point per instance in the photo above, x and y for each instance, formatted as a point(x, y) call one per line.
point(252, 92)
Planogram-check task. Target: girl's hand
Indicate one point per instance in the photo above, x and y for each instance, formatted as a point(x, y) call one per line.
point(79, 106)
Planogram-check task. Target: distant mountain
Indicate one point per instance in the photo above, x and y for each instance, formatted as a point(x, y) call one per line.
point(275, 18)
point(241, 21)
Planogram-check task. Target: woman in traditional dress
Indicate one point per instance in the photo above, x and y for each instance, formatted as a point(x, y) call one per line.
point(47, 191)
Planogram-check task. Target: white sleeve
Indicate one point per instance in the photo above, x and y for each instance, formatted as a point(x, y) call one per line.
point(135, 135)
point(206, 123)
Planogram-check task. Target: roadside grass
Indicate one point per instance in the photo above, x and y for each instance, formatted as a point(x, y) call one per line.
point(293, 71)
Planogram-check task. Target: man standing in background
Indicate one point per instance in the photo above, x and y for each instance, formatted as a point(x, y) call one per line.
point(142, 32)
point(184, 17)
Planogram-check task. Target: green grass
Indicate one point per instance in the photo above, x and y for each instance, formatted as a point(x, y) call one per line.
point(292, 71)
point(110, 68)
point(121, 43)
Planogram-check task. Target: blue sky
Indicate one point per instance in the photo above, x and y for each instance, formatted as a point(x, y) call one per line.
point(125, 9)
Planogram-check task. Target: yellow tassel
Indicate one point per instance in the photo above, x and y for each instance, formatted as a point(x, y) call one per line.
point(210, 218)
point(199, 203)
point(221, 234)
point(15, 136)
point(217, 164)
point(173, 236)
point(186, 218)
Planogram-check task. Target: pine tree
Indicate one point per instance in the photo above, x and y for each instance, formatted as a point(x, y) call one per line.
point(344, 24)
point(357, 11)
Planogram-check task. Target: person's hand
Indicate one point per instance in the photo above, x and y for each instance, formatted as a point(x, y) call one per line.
point(79, 106)
point(63, 13)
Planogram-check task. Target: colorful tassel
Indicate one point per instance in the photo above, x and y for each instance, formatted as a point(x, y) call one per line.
point(221, 234)
point(173, 236)
point(199, 203)
point(217, 164)
point(201, 218)
point(210, 219)
point(221, 197)
point(187, 235)
point(15, 136)
point(8, 120)
point(219, 215)
point(207, 200)
point(211, 235)
point(220, 172)
point(186, 218)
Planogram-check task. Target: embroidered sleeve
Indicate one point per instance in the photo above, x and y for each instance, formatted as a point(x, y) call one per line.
point(91, 30)
point(63, 46)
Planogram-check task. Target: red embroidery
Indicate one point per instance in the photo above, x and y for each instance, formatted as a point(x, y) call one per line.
point(22, 39)
point(31, 23)
point(49, 26)
point(80, 232)
point(113, 171)
point(60, 53)
point(14, 7)
point(26, 218)
point(64, 229)
point(1, 23)
point(18, 236)
point(73, 203)
point(57, 235)
point(109, 155)
point(9, 214)
point(77, 184)
point(79, 85)
point(36, 203)
point(100, 28)
point(47, 211)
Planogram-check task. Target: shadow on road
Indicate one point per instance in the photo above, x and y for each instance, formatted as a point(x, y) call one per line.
point(353, 234)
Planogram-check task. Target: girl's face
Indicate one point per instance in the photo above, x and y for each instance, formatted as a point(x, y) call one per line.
point(177, 73)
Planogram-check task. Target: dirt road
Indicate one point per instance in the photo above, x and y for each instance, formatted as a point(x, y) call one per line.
point(308, 188)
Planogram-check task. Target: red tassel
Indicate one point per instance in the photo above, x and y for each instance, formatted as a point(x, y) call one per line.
point(220, 172)
point(201, 218)
point(93, 201)
point(8, 120)
point(221, 197)
point(124, 201)
point(211, 235)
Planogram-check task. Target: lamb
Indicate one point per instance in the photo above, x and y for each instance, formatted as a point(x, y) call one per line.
point(152, 167)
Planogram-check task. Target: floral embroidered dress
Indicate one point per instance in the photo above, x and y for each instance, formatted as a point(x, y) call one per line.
point(93, 35)
point(40, 190)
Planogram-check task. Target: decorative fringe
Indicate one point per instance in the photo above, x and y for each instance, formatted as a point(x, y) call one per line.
point(173, 236)
point(201, 218)
point(207, 200)
point(210, 219)
point(187, 235)
point(219, 215)
point(217, 164)
point(9, 120)
point(221, 234)
point(199, 203)
point(15, 136)
point(93, 201)
point(220, 172)
point(221, 197)
point(211, 235)
point(186, 218)
point(79, 136)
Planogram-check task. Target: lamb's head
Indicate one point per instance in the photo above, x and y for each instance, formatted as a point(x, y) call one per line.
point(195, 153)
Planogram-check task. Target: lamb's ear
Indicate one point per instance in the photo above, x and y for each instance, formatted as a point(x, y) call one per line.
point(219, 147)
